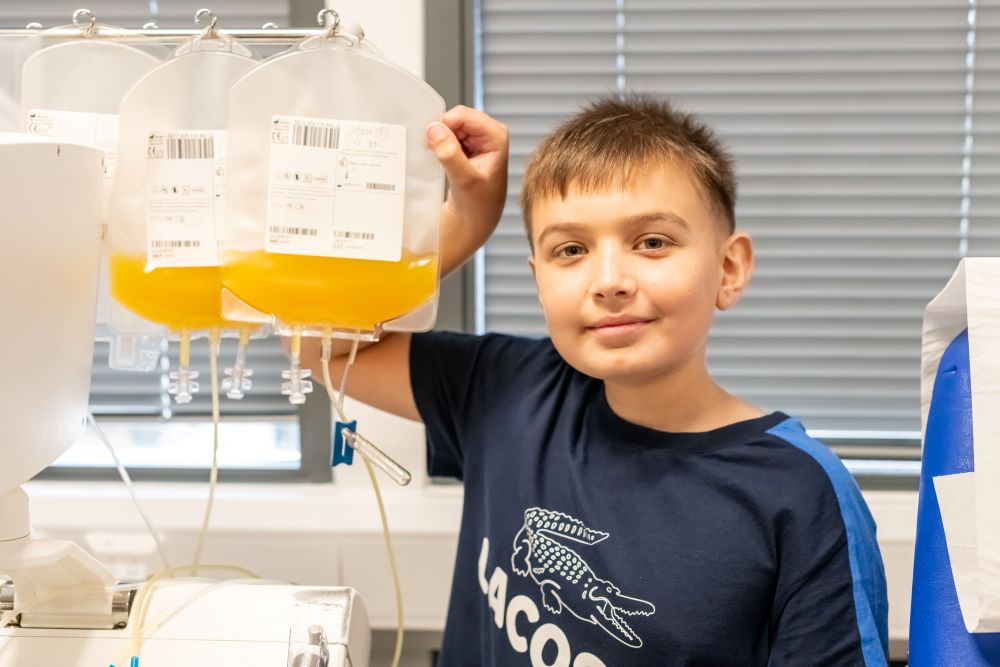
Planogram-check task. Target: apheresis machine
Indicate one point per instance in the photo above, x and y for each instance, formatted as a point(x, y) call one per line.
point(198, 192)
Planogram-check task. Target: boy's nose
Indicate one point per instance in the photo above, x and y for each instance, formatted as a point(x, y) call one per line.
point(612, 279)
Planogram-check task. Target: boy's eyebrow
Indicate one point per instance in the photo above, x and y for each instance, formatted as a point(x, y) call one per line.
point(657, 216)
point(561, 227)
point(632, 221)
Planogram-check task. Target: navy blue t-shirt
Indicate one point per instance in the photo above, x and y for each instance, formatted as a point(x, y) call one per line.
point(588, 540)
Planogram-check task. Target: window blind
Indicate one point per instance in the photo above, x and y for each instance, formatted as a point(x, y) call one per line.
point(867, 139)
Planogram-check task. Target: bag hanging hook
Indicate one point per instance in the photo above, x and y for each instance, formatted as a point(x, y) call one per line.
point(334, 26)
point(210, 31)
point(78, 17)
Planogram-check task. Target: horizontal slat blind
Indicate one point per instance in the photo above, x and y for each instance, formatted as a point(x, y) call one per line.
point(848, 122)
point(984, 209)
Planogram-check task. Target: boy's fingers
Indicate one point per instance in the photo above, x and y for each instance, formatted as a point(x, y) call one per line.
point(450, 154)
point(476, 127)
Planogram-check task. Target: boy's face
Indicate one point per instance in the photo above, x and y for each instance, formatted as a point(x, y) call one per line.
point(630, 280)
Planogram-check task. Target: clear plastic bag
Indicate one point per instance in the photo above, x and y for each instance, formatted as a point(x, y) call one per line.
point(334, 198)
point(71, 91)
point(167, 206)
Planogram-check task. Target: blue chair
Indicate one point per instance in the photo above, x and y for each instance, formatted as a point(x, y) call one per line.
point(937, 632)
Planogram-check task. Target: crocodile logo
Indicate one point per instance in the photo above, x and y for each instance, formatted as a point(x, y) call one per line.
point(566, 580)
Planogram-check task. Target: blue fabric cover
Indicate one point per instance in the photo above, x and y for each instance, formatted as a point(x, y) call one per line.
point(937, 632)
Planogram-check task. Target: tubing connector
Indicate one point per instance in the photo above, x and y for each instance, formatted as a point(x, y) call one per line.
point(297, 384)
point(237, 380)
point(183, 383)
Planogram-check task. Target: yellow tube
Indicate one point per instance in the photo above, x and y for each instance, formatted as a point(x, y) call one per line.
point(213, 477)
point(185, 351)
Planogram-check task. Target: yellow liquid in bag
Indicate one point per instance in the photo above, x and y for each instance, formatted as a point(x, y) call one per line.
point(302, 290)
point(178, 297)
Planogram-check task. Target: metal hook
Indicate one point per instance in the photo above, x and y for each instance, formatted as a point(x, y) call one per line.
point(82, 12)
point(150, 25)
point(203, 13)
point(210, 31)
point(321, 20)
point(270, 25)
point(34, 25)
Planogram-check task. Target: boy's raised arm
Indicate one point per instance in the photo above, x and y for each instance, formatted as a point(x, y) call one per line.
point(472, 147)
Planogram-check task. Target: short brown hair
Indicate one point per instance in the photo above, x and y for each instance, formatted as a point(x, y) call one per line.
point(613, 139)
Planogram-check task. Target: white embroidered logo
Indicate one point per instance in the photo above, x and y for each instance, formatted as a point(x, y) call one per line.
point(566, 580)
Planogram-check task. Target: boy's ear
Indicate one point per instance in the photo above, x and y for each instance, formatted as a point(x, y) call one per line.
point(737, 267)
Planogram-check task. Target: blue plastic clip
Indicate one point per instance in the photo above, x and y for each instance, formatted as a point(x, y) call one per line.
point(343, 452)
point(134, 662)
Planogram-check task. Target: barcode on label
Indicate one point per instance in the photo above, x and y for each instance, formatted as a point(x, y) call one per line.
point(295, 231)
point(176, 244)
point(190, 148)
point(381, 187)
point(363, 236)
point(316, 135)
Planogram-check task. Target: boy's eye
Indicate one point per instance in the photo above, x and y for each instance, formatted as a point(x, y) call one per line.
point(653, 243)
point(570, 251)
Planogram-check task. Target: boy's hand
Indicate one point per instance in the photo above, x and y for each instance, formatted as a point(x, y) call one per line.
point(473, 148)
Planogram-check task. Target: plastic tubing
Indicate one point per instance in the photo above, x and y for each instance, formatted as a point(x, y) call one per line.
point(213, 478)
point(141, 602)
point(123, 473)
point(338, 406)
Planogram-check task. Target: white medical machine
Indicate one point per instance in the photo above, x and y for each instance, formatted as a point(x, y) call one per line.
point(59, 606)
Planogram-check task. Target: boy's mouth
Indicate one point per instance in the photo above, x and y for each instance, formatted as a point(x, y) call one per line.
point(611, 328)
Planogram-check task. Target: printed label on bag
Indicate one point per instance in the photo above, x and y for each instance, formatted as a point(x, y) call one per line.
point(80, 127)
point(185, 197)
point(335, 188)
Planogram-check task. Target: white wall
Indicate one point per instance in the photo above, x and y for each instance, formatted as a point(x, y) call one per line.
point(396, 27)
point(895, 514)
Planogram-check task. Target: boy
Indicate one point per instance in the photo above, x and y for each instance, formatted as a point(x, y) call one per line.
point(621, 508)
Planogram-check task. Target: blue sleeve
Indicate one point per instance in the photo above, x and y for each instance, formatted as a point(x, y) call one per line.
point(830, 603)
point(456, 379)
